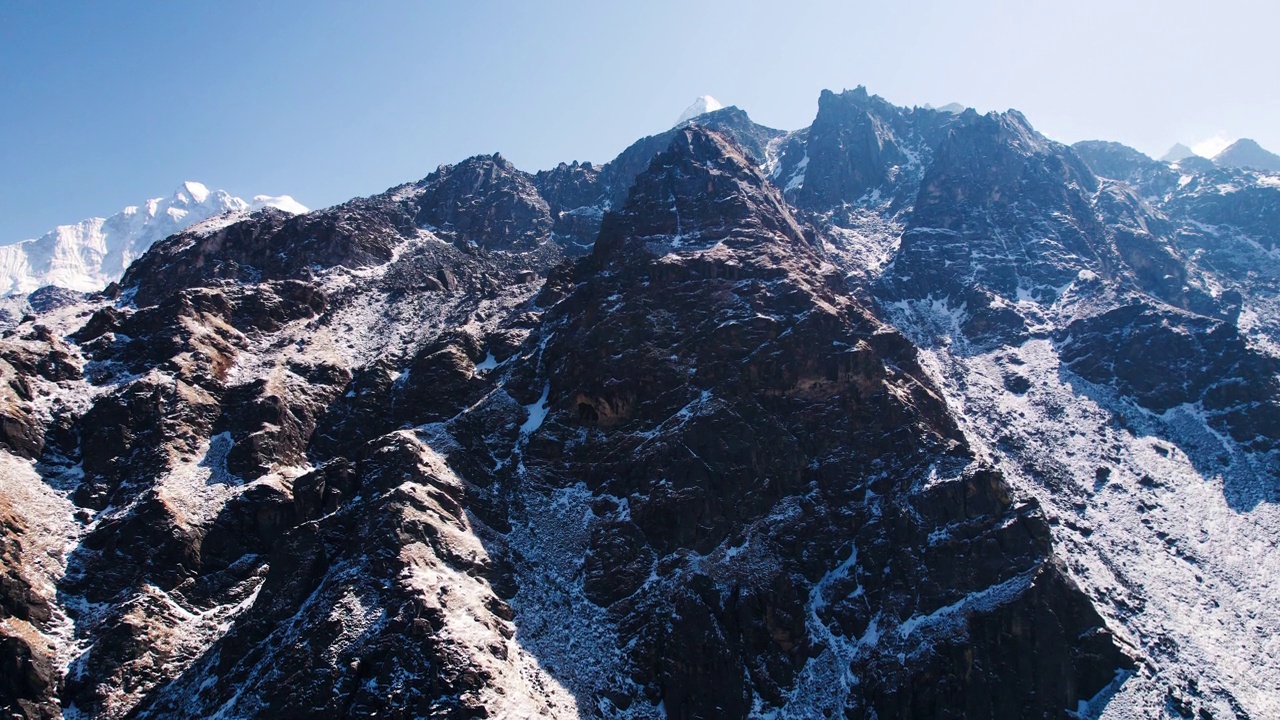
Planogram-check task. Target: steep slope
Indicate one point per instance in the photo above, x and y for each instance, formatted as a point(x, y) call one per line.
point(181, 421)
point(1154, 179)
point(735, 444)
point(1093, 344)
point(89, 255)
point(861, 150)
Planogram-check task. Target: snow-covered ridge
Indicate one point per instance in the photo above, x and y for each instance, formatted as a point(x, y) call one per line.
point(703, 105)
point(93, 253)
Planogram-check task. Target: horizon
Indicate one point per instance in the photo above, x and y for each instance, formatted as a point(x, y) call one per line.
point(117, 104)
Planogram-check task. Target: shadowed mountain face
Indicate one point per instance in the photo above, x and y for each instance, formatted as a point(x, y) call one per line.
point(760, 460)
point(909, 413)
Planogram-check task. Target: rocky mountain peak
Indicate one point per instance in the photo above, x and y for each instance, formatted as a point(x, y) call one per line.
point(703, 105)
point(484, 201)
point(862, 150)
point(700, 191)
point(998, 155)
point(1177, 153)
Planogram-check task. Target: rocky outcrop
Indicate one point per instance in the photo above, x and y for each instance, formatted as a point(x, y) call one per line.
point(29, 683)
point(27, 360)
point(485, 202)
point(580, 193)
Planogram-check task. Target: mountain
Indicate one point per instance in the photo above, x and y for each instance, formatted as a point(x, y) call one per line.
point(87, 256)
point(1152, 179)
point(908, 413)
point(703, 105)
point(1247, 154)
point(1176, 153)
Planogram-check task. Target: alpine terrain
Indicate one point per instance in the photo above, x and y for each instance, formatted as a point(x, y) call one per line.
point(911, 413)
point(93, 253)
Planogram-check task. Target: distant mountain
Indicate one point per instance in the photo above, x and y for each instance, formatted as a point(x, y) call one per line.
point(1249, 154)
point(92, 253)
point(703, 105)
point(1119, 162)
point(1176, 153)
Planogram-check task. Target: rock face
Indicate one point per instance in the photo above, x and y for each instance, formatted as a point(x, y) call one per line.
point(861, 148)
point(580, 194)
point(910, 413)
point(747, 408)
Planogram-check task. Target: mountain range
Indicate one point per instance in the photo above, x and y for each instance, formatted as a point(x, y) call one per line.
point(908, 413)
point(1243, 154)
point(87, 256)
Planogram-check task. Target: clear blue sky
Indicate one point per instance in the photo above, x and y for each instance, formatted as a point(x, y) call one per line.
point(103, 104)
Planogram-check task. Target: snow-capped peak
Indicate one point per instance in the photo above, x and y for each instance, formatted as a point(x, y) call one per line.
point(194, 190)
point(280, 202)
point(93, 253)
point(701, 106)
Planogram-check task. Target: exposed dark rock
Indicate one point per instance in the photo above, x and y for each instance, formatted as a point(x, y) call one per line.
point(730, 356)
point(1163, 359)
point(485, 201)
point(860, 145)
